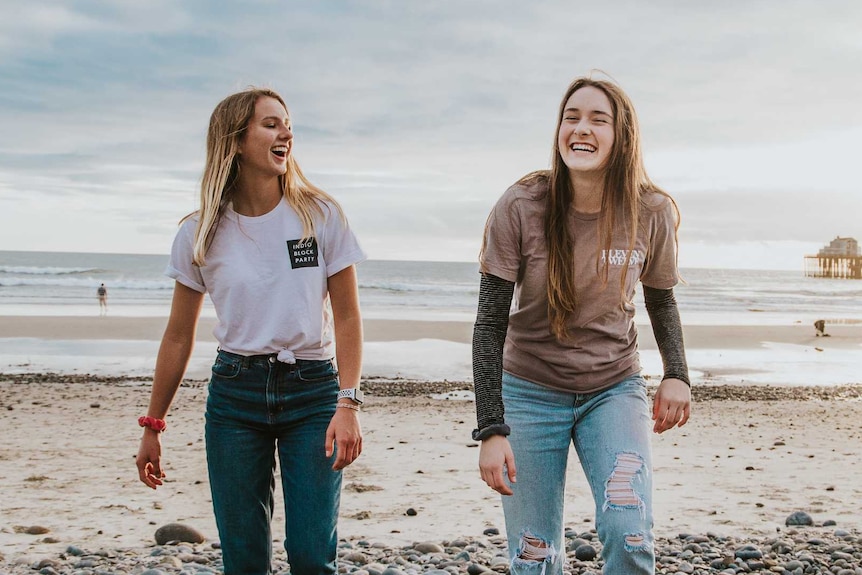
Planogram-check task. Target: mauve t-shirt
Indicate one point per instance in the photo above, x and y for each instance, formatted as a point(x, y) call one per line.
point(602, 348)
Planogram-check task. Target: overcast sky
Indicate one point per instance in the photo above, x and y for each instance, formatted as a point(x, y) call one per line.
point(418, 115)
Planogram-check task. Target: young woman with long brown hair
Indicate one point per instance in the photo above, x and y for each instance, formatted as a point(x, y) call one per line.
point(561, 367)
point(277, 257)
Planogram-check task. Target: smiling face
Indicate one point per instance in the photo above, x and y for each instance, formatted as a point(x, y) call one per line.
point(267, 140)
point(586, 136)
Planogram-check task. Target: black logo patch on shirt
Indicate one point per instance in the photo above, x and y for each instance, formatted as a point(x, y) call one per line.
point(303, 253)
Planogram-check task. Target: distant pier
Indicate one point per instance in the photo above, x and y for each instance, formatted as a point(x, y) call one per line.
point(841, 259)
point(838, 267)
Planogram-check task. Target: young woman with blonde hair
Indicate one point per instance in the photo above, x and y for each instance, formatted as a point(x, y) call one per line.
point(277, 257)
point(561, 367)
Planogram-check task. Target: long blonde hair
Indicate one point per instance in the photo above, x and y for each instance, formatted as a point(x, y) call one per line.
point(228, 123)
point(625, 185)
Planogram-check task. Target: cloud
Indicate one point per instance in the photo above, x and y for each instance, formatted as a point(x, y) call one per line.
point(417, 116)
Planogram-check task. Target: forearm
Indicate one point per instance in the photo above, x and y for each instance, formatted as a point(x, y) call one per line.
point(348, 350)
point(489, 336)
point(344, 299)
point(175, 349)
point(171, 364)
point(667, 328)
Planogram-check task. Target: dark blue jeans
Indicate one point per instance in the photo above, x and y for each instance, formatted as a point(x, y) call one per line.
point(259, 407)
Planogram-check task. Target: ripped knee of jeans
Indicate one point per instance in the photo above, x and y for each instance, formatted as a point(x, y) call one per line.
point(619, 489)
point(636, 542)
point(533, 550)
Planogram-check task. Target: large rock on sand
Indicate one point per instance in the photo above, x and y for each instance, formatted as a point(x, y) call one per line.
point(178, 532)
point(798, 518)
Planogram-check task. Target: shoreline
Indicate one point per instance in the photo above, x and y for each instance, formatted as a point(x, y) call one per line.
point(388, 330)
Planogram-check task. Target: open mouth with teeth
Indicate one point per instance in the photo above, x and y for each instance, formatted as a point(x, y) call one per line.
point(280, 151)
point(583, 148)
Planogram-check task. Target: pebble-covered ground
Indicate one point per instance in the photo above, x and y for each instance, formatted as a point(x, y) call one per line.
point(801, 547)
point(794, 551)
point(385, 387)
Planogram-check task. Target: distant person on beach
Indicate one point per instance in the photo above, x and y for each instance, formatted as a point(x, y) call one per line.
point(102, 292)
point(820, 328)
point(561, 366)
point(277, 258)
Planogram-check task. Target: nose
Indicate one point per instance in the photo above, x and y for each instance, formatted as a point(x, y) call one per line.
point(286, 132)
point(582, 127)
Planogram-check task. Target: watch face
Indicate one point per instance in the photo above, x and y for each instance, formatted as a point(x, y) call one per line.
point(352, 393)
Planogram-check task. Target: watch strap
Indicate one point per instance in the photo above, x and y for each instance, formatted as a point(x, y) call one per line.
point(352, 393)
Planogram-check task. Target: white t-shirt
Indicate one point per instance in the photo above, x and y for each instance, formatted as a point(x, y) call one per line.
point(269, 289)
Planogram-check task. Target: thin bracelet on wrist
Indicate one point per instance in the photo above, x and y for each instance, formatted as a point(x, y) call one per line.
point(348, 406)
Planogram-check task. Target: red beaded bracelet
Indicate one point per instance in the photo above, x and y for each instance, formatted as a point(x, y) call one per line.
point(153, 423)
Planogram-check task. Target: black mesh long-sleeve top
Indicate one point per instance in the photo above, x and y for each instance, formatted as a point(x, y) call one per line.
point(489, 336)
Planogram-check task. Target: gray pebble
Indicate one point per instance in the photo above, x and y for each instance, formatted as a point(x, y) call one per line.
point(746, 554)
point(585, 552)
point(428, 547)
point(574, 543)
point(357, 557)
point(798, 518)
point(178, 532)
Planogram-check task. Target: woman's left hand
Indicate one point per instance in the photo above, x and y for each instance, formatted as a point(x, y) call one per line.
point(344, 436)
point(672, 405)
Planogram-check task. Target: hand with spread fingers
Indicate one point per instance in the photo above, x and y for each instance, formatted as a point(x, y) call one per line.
point(672, 405)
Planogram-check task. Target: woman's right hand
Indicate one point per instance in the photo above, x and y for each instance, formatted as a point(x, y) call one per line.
point(149, 460)
point(495, 455)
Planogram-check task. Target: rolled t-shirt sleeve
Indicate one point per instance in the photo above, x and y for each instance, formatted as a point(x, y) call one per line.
point(181, 267)
point(660, 269)
point(501, 252)
point(339, 244)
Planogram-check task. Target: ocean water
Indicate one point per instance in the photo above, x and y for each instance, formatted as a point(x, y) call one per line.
point(50, 283)
point(41, 283)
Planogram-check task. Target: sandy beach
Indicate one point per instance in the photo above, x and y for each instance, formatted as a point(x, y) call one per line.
point(151, 328)
point(748, 458)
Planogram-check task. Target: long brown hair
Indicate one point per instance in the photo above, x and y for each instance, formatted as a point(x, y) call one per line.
point(228, 123)
point(625, 184)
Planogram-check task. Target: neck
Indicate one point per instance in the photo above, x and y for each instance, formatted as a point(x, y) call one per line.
point(588, 191)
point(255, 197)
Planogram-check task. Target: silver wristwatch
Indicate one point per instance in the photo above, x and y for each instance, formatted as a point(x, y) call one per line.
point(354, 394)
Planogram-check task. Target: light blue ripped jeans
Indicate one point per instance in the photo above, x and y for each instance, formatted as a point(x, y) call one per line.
point(610, 430)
